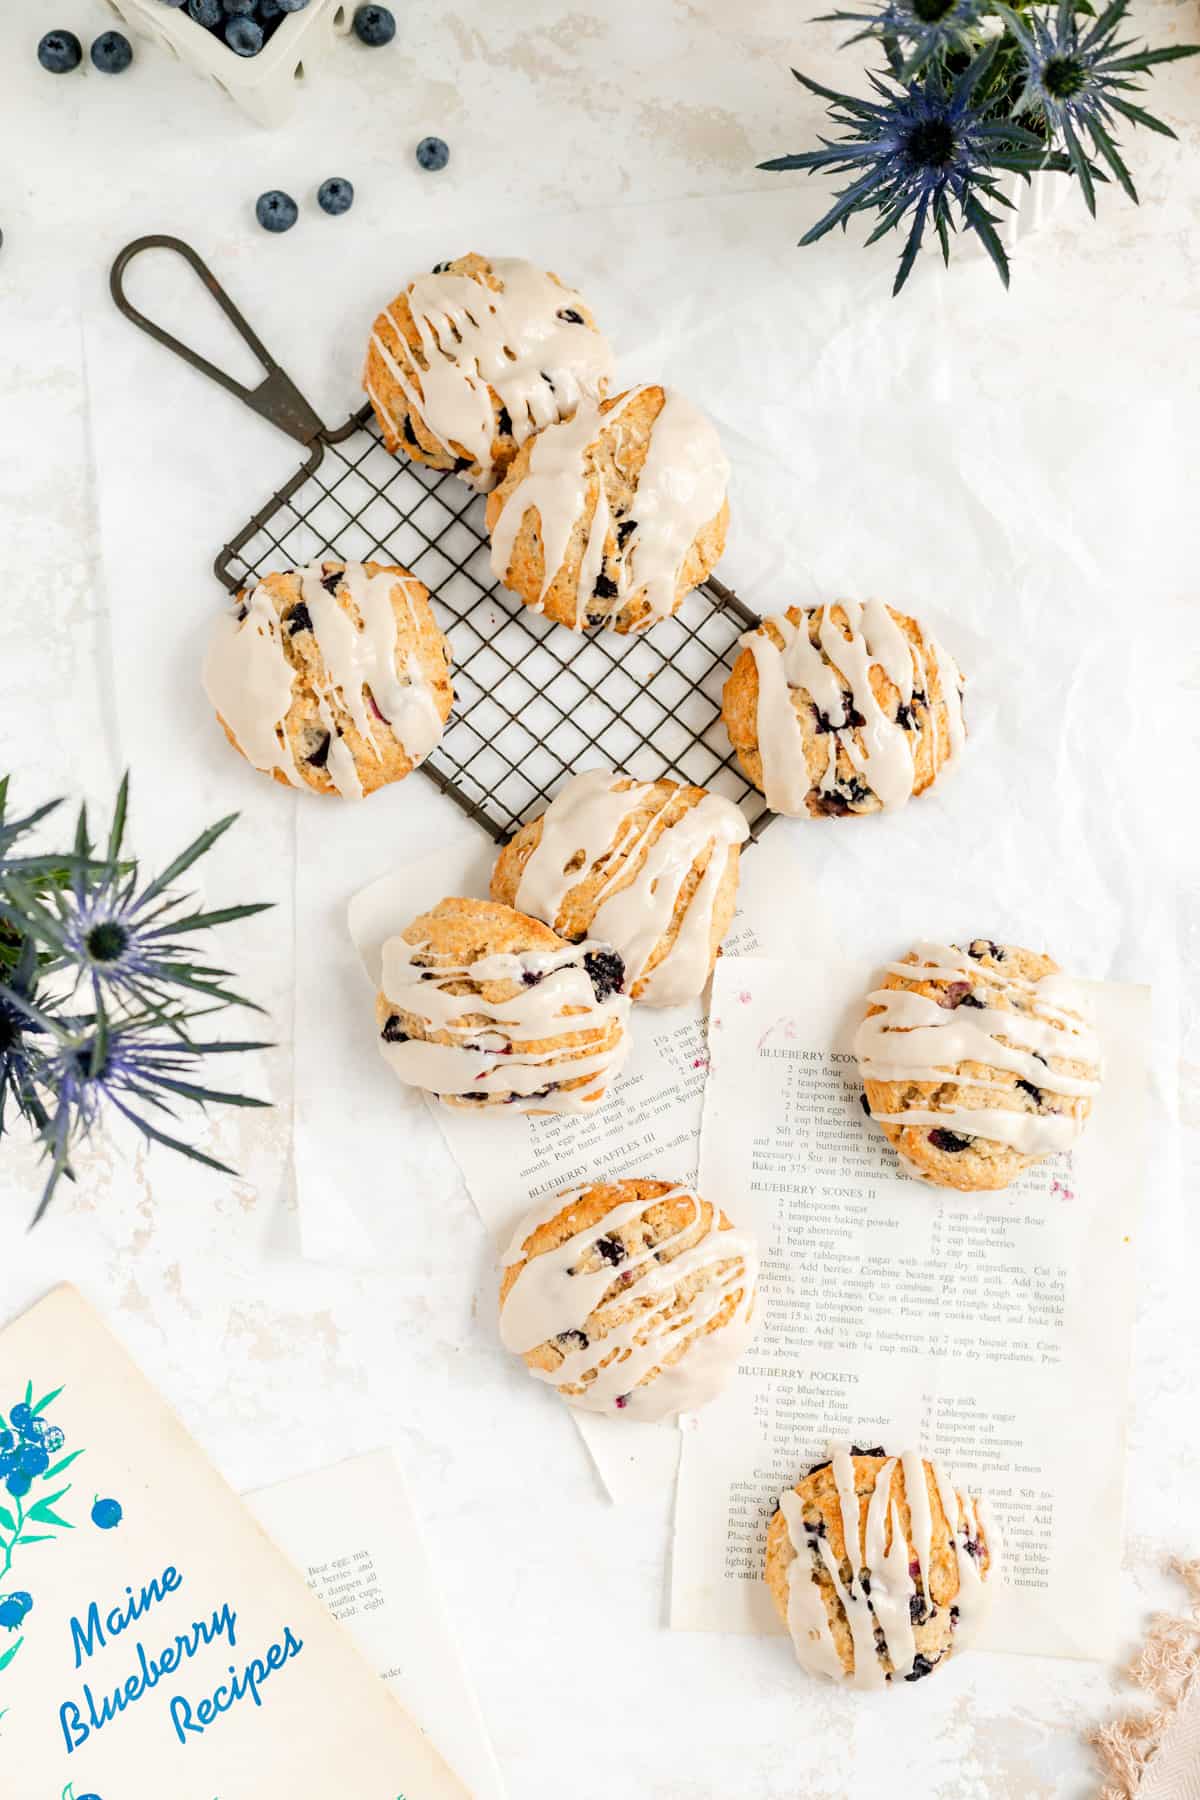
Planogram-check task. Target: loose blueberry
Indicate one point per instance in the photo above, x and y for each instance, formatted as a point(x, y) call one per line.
point(374, 25)
point(205, 12)
point(59, 52)
point(612, 1250)
point(335, 195)
point(606, 971)
point(112, 52)
point(244, 36)
point(299, 619)
point(949, 1140)
point(392, 1033)
point(107, 1515)
point(276, 211)
point(433, 153)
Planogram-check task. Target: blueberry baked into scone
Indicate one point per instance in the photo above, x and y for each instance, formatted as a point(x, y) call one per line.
point(485, 1007)
point(633, 1298)
point(473, 358)
point(650, 867)
point(977, 1061)
point(334, 677)
point(844, 709)
point(612, 517)
point(880, 1568)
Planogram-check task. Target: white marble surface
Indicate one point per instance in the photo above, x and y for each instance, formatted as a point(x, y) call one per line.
point(1070, 404)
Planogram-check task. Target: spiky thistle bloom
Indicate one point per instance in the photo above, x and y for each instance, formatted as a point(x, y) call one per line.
point(124, 939)
point(1077, 76)
point(138, 1064)
point(922, 154)
point(915, 32)
point(22, 1057)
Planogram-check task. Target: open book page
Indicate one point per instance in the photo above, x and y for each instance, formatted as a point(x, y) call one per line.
point(992, 1330)
point(352, 1532)
point(649, 1124)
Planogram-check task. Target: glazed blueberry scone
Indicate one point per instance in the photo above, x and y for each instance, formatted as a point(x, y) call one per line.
point(470, 360)
point(632, 1297)
point(485, 1007)
point(977, 1062)
point(613, 517)
point(334, 677)
point(880, 1568)
point(843, 709)
point(648, 867)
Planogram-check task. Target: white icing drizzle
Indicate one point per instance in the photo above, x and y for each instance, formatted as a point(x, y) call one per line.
point(249, 680)
point(547, 1302)
point(636, 904)
point(886, 760)
point(883, 1606)
point(513, 341)
point(681, 487)
point(496, 1059)
point(913, 1038)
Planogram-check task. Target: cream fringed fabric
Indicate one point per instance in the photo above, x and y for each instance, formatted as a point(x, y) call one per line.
point(1155, 1755)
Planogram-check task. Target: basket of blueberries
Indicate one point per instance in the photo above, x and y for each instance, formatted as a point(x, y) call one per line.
point(258, 51)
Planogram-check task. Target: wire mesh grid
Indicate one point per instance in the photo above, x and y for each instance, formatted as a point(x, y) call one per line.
point(534, 702)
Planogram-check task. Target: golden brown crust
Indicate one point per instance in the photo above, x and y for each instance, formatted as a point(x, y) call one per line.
point(614, 460)
point(669, 1213)
point(417, 635)
point(460, 931)
point(932, 1619)
point(665, 802)
point(931, 747)
point(982, 1164)
point(401, 421)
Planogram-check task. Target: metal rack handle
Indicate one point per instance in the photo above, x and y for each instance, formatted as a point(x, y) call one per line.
point(276, 399)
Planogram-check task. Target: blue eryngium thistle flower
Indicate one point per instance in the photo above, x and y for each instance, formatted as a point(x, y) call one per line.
point(922, 154)
point(925, 29)
point(137, 1062)
point(123, 939)
point(1077, 76)
point(22, 1060)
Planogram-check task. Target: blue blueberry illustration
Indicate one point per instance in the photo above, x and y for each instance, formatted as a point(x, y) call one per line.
point(32, 1460)
point(433, 153)
point(276, 211)
point(20, 1417)
point(335, 195)
point(107, 1514)
point(59, 52)
point(374, 25)
point(112, 52)
point(18, 1484)
point(13, 1608)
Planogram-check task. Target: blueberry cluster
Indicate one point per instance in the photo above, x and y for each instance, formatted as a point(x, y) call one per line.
point(13, 1608)
point(277, 211)
point(27, 1445)
point(245, 25)
point(60, 51)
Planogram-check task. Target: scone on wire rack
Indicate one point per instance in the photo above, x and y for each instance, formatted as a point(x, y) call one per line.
point(487, 1008)
point(612, 517)
point(633, 1298)
point(334, 677)
point(650, 867)
point(472, 359)
point(837, 711)
point(977, 1060)
point(880, 1568)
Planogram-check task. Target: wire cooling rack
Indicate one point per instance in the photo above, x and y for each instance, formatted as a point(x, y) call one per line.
point(533, 701)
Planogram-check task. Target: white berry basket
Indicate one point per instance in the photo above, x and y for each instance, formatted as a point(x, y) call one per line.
point(266, 86)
